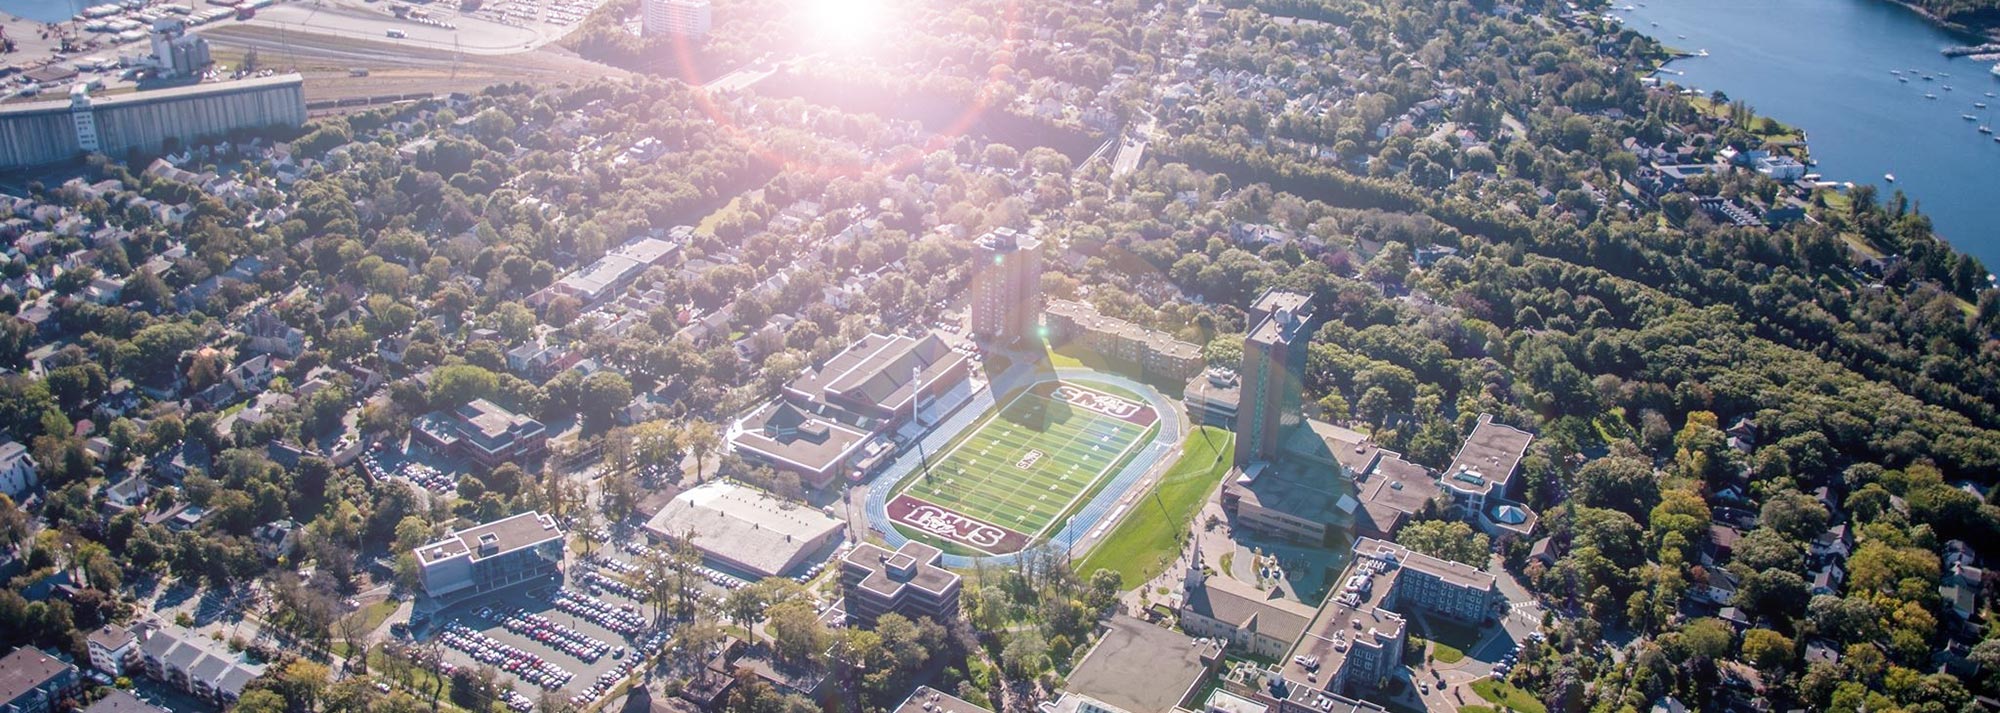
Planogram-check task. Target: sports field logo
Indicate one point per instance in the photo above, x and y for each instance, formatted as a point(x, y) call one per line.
point(1029, 460)
point(1102, 403)
point(954, 526)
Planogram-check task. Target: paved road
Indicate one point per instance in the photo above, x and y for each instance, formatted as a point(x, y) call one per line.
point(290, 47)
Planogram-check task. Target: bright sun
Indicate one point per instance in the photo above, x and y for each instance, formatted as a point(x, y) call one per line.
point(844, 24)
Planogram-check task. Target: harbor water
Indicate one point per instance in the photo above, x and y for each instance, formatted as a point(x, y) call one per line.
point(1825, 66)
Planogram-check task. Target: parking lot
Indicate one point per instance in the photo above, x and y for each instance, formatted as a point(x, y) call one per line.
point(523, 13)
point(553, 637)
point(418, 466)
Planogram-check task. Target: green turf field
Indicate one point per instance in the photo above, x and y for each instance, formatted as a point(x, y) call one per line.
point(1025, 466)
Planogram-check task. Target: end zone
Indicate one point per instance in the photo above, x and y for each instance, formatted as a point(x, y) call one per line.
point(957, 527)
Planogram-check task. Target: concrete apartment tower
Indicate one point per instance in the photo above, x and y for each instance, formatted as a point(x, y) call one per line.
point(687, 18)
point(1272, 401)
point(1006, 285)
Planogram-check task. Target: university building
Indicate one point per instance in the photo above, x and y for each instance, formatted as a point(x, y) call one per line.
point(1481, 479)
point(1006, 285)
point(844, 417)
point(488, 557)
point(908, 581)
point(1153, 354)
point(1271, 403)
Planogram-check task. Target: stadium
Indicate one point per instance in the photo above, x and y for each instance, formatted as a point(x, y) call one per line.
point(1047, 462)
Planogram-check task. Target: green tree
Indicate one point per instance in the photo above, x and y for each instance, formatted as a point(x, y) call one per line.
point(1446, 539)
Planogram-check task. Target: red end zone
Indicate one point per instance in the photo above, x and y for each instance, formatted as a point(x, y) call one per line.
point(1098, 402)
point(954, 526)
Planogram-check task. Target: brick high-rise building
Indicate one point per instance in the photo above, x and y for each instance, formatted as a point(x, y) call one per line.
point(1272, 398)
point(1006, 285)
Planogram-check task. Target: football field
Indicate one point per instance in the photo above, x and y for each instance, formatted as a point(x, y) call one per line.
point(1024, 466)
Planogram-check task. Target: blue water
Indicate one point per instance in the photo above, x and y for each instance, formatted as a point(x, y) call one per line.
point(1823, 66)
point(45, 10)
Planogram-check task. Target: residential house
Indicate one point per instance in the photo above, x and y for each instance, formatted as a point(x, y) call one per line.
point(275, 540)
point(18, 473)
point(1721, 586)
point(270, 335)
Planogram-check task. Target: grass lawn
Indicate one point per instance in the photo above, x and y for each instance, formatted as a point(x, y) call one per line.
point(1505, 695)
point(1063, 360)
point(1026, 466)
point(1763, 127)
point(1444, 653)
point(1143, 543)
point(421, 680)
point(1450, 633)
point(1477, 709)
point(374, 614)
point(1860, 244)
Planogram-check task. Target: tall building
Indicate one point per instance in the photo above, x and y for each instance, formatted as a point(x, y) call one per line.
point(1272, 398)
point(1006, 285)
point(687, 18)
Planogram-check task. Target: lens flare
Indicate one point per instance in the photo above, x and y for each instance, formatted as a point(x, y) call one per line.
point(844, 24)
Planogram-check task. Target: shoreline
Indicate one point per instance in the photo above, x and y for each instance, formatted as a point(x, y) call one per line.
point(1991, 33)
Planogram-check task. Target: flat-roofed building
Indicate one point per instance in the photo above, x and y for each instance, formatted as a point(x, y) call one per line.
point(685, 18)
point(1211, 397)
point(1353, 643)
point(1139, 667)
point(1434, 586)
point(930, 700)
point(496, 555)
point(838, 418)
point(113, 648)
point(609, 275)
point(120, 701)
point(1278, 694)
point(18, 472)
point(484, 432)
point(1299, 504)
point(744, 529)
point(908, 581)
point(1006, 285)
point(1481, 478)
point(149, 122)
point(34, 682)
point(1393, 491)
point(1272, 404)
point(1151, 353)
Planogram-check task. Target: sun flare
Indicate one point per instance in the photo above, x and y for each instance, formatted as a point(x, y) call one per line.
point(844, 24)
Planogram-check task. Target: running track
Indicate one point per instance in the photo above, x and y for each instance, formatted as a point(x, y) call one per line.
point(1168, 439)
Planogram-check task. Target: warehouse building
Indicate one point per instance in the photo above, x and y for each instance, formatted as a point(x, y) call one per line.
point(740, 528)
point(150, 122)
